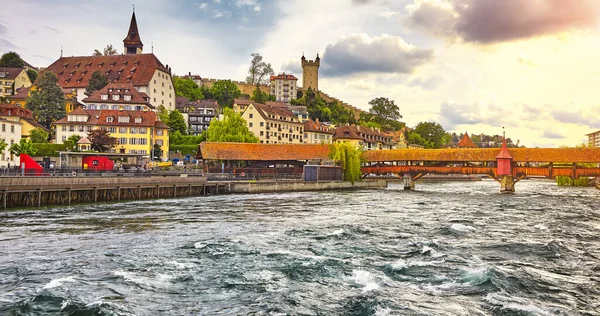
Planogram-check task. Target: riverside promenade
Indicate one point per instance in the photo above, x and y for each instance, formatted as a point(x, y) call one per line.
point(37, 191)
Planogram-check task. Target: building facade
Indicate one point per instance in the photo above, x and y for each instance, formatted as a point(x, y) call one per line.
point(310, 73)
point(273, 124)
point(317, 133)
point(25, 118)
point(136, 131)
point(198, 115)
point(20, 98)
point(118, 96)
point(144, 71)
point(284, 87)
point(10, 133)
point(364, 137)
point(12, 79)
point(594, 139)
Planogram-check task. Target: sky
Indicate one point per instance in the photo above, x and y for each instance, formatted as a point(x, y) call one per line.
point(530, 66)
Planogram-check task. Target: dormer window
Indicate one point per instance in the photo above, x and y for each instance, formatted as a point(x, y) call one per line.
point(138, 120)
point(104, 96)
point(127, 97)
point(109, 119)
point(123, 119)
point(115, 97)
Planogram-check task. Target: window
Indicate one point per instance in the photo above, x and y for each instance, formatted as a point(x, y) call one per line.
point(123, 119)
point(154, 90)
point(80, 129)
point(142, 130)
point(116, 97)
point(64, 128)
point(138, 120)
point(71, 128)
point(122, 140)
point(104, 96)
point(88, 128)
point(115, 107)
point(127, 98)
point(143, 141)
point(4, 127)
point(133, 130)
point(163, 84)
point(251, 115)
point(250, 124)
point(262, 124)
point(12, 128)
point(262, 133)
point(128, 107)
point(159, 132)
point(111, 129)
point(123, 130)
point(109, 119)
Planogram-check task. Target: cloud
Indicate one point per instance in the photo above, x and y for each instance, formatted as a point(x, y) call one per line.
point(203, 6)
point(427, 83)
point(491, 21)
point(452, 114)
point(359, 53)
point(589, 118)
point(528, 62)
point(552, 134)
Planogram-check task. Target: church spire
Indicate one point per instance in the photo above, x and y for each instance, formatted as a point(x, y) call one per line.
point(132, 42)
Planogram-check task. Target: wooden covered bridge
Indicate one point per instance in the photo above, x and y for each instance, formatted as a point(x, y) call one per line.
point(507, 166)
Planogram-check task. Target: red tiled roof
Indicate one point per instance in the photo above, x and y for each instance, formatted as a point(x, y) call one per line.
point(277, 111)
point(262, 152)
point(13, 110)
point(98, 117)
point(9, 73)
point(22, 94)
point(75, 72)
point(120, 89)
point(284, 76)
point(316, 127)
point(276, 103)
point(365, 134)
point(242, 101)
point(466, 142)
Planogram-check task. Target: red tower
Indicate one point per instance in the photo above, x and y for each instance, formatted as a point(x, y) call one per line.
point(504, 160)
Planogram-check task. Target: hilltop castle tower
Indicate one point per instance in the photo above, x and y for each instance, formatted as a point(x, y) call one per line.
point(132, 42)
point(310, 73)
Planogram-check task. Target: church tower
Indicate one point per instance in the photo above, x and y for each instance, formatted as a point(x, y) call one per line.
point(310, 73)
point(133, 42)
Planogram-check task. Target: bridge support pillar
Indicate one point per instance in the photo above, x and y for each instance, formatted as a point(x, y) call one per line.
point(409, 183)
point(507, 184)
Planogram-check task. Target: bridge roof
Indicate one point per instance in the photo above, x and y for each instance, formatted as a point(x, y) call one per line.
point(577, 155)
point(262, 152)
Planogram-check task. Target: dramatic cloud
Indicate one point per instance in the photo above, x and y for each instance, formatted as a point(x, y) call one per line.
point(552, 134)
point(359, 53)
point(452, 114)
point(489, 21)
point(577, 117)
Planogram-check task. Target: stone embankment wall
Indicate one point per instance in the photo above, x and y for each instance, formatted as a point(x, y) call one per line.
point(263, 187)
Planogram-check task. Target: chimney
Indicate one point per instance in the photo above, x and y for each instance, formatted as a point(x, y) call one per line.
point(190, 73)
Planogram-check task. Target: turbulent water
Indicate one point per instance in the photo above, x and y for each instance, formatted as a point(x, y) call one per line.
point(445, 249)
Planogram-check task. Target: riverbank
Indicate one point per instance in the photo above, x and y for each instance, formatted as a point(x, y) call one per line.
point(47, 191)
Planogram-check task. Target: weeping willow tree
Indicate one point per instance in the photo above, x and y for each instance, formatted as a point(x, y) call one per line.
point(349, 158)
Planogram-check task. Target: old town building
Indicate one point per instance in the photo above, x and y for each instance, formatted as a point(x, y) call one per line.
point(118, 96)
point(12, 79)
point(284, 87)
point(199, 114)
point(70, 95)
point(316, 132)
point(25, 118)
point(364, 137)
point(10, 133)
point(144, 71)
point(273, 124)
point(136, 131)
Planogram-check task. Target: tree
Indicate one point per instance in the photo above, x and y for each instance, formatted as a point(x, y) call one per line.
point(74, 138)
point(32, 74)
point(432, 132)
point(176, 122)
point(3, 145)
point(261, 97)
point(207, 93)
point(163, 114)
point(11, 60)
point(259, 71)
point(23, 147)
point(38, 135)
point(349, 158)
point(225, 92)
point(156, 152)
point(3, 99)
point(47, 102)
point(97, 82)
point(385, 113)
point(108, 51)
point(101, 140)
point(187, 88)
point(232, 128)
point(415, 138)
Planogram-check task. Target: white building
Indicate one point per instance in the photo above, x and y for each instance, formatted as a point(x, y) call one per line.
point(284, 87)
point(10, 132)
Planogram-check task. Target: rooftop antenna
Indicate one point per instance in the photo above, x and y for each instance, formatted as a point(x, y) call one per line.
point(61, 51)
point(134, 8)
point(152, 43)
point(503, 133)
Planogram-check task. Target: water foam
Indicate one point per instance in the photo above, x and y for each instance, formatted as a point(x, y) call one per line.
point(540, 227)
point(338, 232)
point(511, 303)
point(59, 282)
point(366, 279)
point(462, 228)
point(477, 276)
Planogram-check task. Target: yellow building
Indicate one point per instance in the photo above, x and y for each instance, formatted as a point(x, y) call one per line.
point(12, 79)
point(136, 131)
point(28, 123)
point(364, 137)
point(273, 124)
point(317, 133)
point(20, 98)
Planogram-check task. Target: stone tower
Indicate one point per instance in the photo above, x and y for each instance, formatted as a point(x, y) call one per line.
point(132, 42)
point(310, 73)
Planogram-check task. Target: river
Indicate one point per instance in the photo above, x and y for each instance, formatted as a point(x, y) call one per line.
point(456, 248)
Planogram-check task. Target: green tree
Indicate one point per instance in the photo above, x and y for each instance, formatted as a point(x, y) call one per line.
point(32, 74)
point(259, 71)
point(74, 138)
point(38, 135)
point(23, 147)
point(107, 51)
point(432, 132)
point(156, 152)
point(208, 95)
point(231, 129)
point(177, 122)
point(101, 140)
point(385, 113)
point(187, 88)
point(97, 82)
point(349, 158)
point(261, 97)
point(163, 114)
point(11, 60)
point(47, 102)
point(415, 138)
point(3, 145)
point(225, 92)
